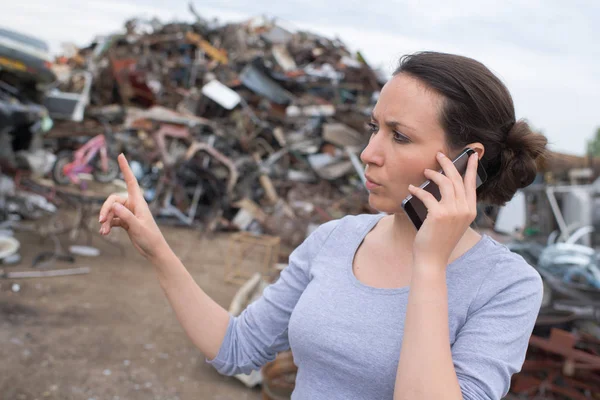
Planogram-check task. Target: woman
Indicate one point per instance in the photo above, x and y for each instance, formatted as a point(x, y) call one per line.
point(343, 304)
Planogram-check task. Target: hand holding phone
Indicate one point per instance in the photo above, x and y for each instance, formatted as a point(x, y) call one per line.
point(416, 210)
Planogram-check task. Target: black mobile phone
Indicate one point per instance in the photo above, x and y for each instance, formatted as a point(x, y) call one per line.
point(416, 210)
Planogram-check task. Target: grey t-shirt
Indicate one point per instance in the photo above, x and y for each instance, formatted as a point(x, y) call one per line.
point(346, 336)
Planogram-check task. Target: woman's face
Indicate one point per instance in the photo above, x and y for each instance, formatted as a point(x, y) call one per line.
point(406, 135)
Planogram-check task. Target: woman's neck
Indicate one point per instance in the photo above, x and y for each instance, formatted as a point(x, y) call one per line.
point(403, 230)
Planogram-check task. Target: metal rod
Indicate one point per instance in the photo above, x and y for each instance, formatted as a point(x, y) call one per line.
point(556, 211)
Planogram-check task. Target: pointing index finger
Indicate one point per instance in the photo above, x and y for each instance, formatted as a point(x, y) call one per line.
point(133, 189)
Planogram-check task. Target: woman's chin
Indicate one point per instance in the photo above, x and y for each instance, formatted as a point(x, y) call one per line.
point(383, 204)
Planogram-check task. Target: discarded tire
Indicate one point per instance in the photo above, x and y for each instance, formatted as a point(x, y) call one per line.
point(62, 159)
point(111, 172)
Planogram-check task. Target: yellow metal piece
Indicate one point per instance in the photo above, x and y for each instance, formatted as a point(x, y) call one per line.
point(12, 64)
point(214, 53)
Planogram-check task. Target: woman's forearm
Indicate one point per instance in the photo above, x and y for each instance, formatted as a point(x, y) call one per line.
point(203, 320)
point(425, 369)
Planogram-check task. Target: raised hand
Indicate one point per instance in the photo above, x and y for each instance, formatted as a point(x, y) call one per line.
point(132, 214)
point(448, 219)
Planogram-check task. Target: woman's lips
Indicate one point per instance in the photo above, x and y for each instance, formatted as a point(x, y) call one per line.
point(371, 185)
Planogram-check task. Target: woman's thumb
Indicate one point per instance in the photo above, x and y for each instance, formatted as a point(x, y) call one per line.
point(124, 214)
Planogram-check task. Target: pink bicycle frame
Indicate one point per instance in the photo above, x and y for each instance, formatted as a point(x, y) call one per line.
point(83, 157)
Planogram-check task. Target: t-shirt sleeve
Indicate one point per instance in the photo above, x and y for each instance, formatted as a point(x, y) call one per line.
point(491, 345)
point(260, 332)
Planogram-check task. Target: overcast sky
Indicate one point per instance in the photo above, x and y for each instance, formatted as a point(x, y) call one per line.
point(546, 51)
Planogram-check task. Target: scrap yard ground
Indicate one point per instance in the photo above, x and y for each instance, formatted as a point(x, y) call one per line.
point(110, 334)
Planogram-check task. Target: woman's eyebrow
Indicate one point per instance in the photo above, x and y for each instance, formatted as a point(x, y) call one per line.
point(393, 123)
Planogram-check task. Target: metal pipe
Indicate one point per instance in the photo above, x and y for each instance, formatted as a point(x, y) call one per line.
point(557, 213)
point(360, 170)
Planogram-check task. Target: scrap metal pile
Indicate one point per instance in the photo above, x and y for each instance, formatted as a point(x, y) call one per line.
point(248, 126)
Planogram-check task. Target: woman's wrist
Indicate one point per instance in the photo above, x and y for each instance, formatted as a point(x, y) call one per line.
point(163, 256)
point(428, 267)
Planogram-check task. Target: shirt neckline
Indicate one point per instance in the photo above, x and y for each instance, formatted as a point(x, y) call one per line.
point(404, 289)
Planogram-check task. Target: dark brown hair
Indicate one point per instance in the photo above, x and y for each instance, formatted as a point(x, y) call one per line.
point(478, 108)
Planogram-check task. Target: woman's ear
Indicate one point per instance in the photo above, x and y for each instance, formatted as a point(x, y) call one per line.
point(478, 147)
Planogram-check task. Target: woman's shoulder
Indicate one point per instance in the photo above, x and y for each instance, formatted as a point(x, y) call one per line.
point(347, 227)
point(503, 260)
point(347, 223)
point(506, 271)
point(359, 221)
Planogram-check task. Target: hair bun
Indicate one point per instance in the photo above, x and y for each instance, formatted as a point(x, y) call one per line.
point(522, 138)
point(522, 149)
point(518, 162)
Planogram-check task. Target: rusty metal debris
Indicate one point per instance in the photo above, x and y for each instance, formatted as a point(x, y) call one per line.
point(563, 359)
point(279, 377)
point(563, 366)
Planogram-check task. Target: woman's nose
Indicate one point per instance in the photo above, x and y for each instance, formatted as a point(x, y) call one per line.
point(372, 154)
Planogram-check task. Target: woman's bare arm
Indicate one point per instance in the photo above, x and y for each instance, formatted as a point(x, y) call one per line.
point(204, 321)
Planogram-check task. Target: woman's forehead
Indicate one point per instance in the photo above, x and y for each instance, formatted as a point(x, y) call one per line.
point(407, 101)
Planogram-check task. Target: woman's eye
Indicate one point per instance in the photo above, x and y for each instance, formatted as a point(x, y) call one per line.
point(398, 137)
point(372, 128)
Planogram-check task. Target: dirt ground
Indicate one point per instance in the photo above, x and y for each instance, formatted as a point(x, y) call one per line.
point(110, 334)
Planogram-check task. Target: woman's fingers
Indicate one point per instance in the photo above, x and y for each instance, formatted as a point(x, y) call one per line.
point(118, 216)
point(458, 195)
point(453, 175)
point(423, 195)
point(133, 188)
point(445, 185)
point(125, 215)
point(108, 204)
point(108, 224)
point(112, 223)
point(118, 222)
